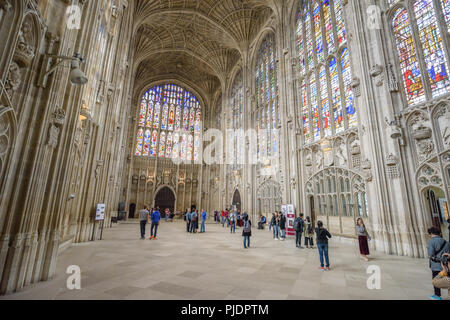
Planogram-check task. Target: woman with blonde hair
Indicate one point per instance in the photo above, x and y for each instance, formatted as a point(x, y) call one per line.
point(363, 237)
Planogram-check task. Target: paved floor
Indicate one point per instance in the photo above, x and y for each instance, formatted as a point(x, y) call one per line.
point(215, 266)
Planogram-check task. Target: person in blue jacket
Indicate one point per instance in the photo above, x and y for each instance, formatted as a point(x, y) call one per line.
point(156, 218)
point(204, 215)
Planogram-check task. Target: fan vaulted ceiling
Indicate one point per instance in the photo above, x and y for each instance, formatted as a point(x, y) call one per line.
point(194, 41)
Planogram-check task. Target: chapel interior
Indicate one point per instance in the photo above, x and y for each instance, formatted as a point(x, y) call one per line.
point(340, 108)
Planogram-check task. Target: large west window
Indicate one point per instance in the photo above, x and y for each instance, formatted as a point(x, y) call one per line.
point(170, 124)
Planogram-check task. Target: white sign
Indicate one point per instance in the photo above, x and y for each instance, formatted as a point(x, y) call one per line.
point(100, 213)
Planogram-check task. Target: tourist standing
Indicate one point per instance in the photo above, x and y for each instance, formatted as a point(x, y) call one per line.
point(247, 232)
point(363, 238)
point(274, 225)
point(188, 220)
point(194, 221)
point(298, 226)
point(204, 215)
point(233, 222)
point(437, 246)
point(222, 216)
point(282, 226)
point(322, 244)
point(309, 233)
point(143, 217)
point(227, 217)
point(156, 218)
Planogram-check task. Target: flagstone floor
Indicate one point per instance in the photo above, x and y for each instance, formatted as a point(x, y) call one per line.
point(214, 265)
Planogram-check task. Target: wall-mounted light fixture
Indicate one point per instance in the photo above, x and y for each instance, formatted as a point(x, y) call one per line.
point(77, 77)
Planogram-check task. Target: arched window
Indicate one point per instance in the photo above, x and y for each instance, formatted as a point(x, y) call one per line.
point(267, 97)
point(418, 35)
point(170, 113)
point(325, 85)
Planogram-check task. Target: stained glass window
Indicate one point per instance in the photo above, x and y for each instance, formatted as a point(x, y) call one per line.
point(147, 142)
point(139, 143)
point(171, 122)
point(340, 25)
point(154, 144)
point(314, 108)
point(446, 11)
point(430, 37)
point(169, 146)
point(169, 112)
point(196, 147)
point(407, 55)
point(347, 79)
point(331, 77)
point(309, 40)
point(266, 97)
point(164, 117)
point(190, 147)
point(176, 151)
point(428, 51)
point(336, 96)
point(318, 32)
point(142, 113)
point(301, 45)
point(326, 121)
point(305, 112)
point(162, 145)
point(328, 26)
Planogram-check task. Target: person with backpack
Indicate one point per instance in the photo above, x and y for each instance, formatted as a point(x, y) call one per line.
point(156, 218)
point(233, 222)
point(247, 232)
point(309, 233)
point(144, 219)
point(363, 237)
point(298, 227)
point(282, 226)
point(437, 246)
point(188, 220)
point(322, 244)
point(274, 224)
point(194, 221)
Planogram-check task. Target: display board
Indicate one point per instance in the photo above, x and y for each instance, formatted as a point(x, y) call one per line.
point(290, 218)
point(100, 213)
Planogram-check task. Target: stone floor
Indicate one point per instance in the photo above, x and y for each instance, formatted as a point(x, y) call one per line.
point(215, 266)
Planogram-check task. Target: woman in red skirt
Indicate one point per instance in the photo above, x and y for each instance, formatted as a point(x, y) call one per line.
point(363, 237)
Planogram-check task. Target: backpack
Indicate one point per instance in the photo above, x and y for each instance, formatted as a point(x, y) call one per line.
point(247, 227)
point(322, 235)
point(296, 225)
